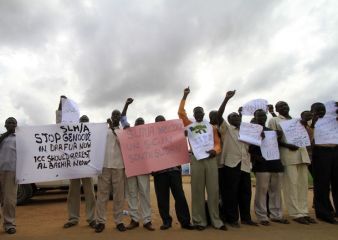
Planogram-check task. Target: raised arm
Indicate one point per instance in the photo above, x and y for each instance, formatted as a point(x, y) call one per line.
point(181, 111)
point(124, 121)
point(271, 111)
point(58, 113)
point(221, 109)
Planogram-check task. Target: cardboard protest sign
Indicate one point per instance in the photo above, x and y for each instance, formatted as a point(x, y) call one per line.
point(153, 147)
point(269, 146)
point(295, 133)
point(70, 111)
point(250, 107)
point(201, 139)
point(326, 131)
point(250, 133)
point(59, 151)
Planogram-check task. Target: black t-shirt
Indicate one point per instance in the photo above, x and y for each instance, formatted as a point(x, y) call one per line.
point(259, 164)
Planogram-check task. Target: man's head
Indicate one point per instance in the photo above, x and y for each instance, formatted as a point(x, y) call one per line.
point(282, 108)
point(318, 109)
point(10, 124)
point(213, 117)
point(139, 121)
point(234, 119)
point(84, 118)
point(116, 117)
point(198, 114)
point(306, 115)
point(159, 118)
point(260, 117)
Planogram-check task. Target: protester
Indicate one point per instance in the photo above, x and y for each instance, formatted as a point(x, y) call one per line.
point(138, 187)
point(8, 186)
point(236, 160)
point(166, 181)
point(74, 197)
point(325, 171)
point(74, 192)
point(111, 178)
point(295, 179)
point(269, 176)
point(204, 172)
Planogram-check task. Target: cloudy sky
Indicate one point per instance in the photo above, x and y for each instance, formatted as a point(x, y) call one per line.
point(99, 52)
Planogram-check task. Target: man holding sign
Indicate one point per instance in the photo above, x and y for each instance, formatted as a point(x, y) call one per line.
point(205, 144)
point(295, 160)
point(325, 162)
point(268, 169)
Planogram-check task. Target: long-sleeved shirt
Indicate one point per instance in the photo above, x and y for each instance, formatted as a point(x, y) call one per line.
point(8, 153)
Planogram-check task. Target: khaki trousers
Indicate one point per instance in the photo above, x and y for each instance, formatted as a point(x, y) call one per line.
point(139, 193)
point(268, 182)
point(204, 177)
point(8, 195)
point(111, 178)
point(295, 189)
point(74, 199)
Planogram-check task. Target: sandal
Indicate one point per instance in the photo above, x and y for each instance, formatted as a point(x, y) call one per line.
point(301, 220)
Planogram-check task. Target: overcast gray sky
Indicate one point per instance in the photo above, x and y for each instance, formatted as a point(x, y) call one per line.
point(100, 52)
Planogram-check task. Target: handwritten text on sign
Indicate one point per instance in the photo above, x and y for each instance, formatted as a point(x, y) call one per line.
point(295, 133)
point(153, 147)
point(326, 131)
point(269, 146)
point(250, 133)
point(56, 152)
point(250, 107)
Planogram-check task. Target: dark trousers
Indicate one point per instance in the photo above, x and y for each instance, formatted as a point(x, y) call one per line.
point(164, 183)
point(222, 193)
point(325, 171)
point(237, 194)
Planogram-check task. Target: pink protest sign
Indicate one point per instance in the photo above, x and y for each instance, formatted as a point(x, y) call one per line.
point(153, 147)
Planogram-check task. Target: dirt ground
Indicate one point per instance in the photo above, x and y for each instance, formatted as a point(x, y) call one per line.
point(44, 216)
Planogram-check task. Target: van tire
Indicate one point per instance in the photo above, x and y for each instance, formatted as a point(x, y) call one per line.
point(25, 192)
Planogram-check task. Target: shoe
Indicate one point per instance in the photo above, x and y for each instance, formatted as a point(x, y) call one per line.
point(149, 226)
point(121, 227)
point(301, 220)
point(188, 226)
point(310, 220)
point(133, 224)
point(250, 223)
point(92, 224)
point(165, 226)
point(69, 224)
point(329, 220)
point(200, 228)
point(223, 228)
point(234, 224)
point(99, 227)
point(265, 223)
point(282, 221)
point(11, 230)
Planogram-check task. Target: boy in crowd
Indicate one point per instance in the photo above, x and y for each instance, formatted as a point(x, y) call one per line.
point(204, 172)
point(166, 181)
point(325, 171)
point(111, 178)
point(8, 186)
point(138, 187)
point(295, 179)
point(269, 176)
point(236, 160)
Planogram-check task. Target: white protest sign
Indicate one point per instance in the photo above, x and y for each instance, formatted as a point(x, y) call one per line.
point(295, 133)
point(250, 107)
point(201, 139)
point(70, 111)
point(326, 131)
point(331, 108)
point(269, 146)
point(250, 133)
point(59, 151)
